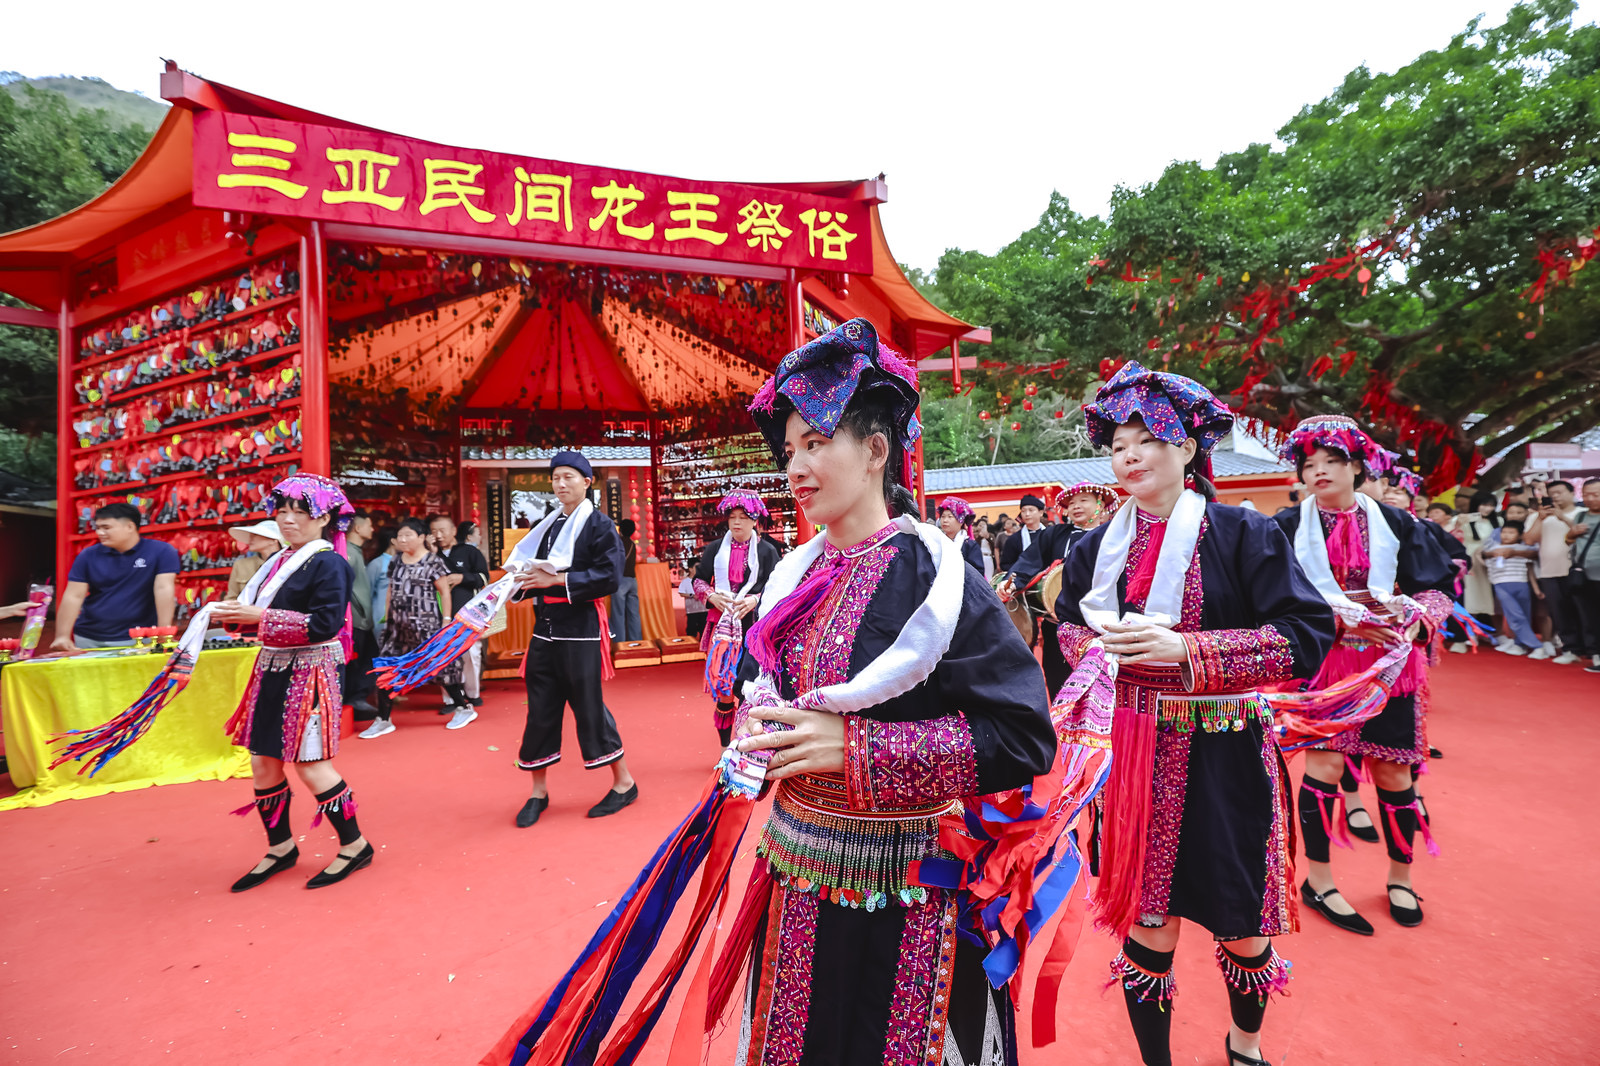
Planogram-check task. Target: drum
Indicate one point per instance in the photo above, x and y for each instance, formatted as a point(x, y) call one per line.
point(1021, 617)
point(1051, 584)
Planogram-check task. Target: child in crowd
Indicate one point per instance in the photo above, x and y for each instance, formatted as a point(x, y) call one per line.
point(1511, 576)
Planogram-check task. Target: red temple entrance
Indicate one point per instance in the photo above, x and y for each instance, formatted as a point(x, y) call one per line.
point(269, 289)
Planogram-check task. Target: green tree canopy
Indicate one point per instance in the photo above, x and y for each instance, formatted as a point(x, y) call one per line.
point(53, 157)
point(1413, 253)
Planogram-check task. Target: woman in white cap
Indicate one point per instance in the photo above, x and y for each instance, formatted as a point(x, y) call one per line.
point(260, 543)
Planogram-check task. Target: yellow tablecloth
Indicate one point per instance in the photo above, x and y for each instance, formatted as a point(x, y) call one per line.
point(185, 743)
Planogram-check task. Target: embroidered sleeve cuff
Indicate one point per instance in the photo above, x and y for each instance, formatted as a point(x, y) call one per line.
point(701, 590)
point(1075, 641)
point(284, 629)
point(890, 765)
point(1436, 612)
point(1233, 660)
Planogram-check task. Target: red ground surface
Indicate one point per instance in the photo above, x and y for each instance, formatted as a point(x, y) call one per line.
point(120, 943)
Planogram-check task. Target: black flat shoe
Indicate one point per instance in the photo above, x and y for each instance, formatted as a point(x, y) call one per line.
point(1435, 753)
point(1352, 922)
point(1368, 832)
point(280, 864)
point(476, 701)
point(614, 801)
point(531, 810)
point(1239, 1056)
point(1410, 917)
point(359, 861)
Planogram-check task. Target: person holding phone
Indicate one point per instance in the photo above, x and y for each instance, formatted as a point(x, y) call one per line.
point(1555, 513)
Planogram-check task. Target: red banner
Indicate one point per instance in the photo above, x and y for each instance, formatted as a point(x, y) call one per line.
point(363, 177)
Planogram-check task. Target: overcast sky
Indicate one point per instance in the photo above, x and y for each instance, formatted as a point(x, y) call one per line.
point(974, 111)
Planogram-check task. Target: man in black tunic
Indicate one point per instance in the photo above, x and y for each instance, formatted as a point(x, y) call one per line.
point(565, 655)
point(1031, 515)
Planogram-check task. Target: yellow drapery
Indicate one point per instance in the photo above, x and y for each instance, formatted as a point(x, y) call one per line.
point(185, 743)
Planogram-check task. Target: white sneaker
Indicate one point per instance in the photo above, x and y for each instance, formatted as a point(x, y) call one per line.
point(1503, 642)
point(1512, 649)
point(1541, 653)
point(463, 716)
point(1564, 658)
point(1549, 647)
point(378, 728)
point(1459, 647)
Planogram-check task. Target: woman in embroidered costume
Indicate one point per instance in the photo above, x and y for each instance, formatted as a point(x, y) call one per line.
point(955, 521)
point(732, 574)
point(896, 686)
point(1364, 554)
point(1188, 606)
point(291, 708)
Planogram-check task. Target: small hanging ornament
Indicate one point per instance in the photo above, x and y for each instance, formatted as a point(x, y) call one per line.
point(983, 416)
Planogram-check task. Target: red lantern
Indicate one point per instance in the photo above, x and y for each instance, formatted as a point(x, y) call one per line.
point(1027, 405)
point(1032, 390)
point(1061, 414)
point(1015, 426)
point(983, 416)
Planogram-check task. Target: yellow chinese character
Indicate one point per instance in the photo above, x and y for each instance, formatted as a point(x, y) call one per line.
point(833, 236)
point(364, 174)
point(255, 159)
point(542, 198)
point(694, 212)
point(619, 204)
point(761, 222)
point(447, 187)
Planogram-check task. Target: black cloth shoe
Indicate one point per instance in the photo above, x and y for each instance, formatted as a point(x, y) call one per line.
point(1435, 753)
point(476, 701)
point(614, 802)
point(363, 709)
point(280, 864)
point(1409, 917)
point(1239, 1056)
point(1368, 832)
point(1352, 922)
point(531, 810)
point(359, 861)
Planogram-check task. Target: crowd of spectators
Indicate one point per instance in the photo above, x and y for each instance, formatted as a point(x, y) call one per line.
point(1535, 573)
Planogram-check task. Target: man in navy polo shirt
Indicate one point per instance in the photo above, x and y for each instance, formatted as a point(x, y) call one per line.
point(122, 582)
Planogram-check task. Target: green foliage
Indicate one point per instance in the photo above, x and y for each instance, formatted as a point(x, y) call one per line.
point(93, 94)
point(32, 457)
point(53, 157)
point(1452, 175)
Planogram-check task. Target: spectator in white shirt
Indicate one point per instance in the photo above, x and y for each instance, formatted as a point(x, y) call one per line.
point(1557, 511)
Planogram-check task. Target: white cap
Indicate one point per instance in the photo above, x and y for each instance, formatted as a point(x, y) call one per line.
point(266, 528)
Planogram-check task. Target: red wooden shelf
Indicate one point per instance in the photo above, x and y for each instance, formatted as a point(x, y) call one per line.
point(199, 527)
point(184, 475)
point(115, 398)
point(175, 335)
point(185, 427)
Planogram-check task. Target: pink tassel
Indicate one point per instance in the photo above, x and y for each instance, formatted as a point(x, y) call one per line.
point(1422, 826)
point(1127, 802)
point(1342, 837)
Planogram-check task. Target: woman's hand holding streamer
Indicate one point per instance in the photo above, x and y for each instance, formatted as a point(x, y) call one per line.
point(813, 744)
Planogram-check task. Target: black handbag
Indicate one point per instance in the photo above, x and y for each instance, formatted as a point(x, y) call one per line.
point(1578, 577)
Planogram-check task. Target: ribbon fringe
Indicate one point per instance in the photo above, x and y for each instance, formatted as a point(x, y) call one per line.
point(400, 674)
point(104, 742)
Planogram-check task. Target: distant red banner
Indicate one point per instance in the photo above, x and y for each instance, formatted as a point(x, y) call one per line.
point(275, 167)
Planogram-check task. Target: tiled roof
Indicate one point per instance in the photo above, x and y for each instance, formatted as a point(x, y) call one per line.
point(1069, 471)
